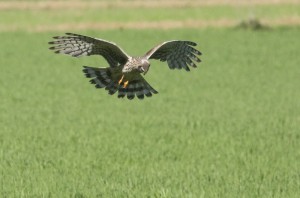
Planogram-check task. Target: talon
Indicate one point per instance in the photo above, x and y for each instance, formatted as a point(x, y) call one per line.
point(125, 84)
point(120, 81)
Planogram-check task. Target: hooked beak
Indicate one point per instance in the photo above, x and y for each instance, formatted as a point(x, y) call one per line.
point(143, 70)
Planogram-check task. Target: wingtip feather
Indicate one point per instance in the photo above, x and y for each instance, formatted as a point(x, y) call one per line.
point(191, 43)
point(198, 52)
point(70, 34)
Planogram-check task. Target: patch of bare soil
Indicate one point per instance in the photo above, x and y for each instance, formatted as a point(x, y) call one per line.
point(285, 21)
point(77, 4)
point(138, 25)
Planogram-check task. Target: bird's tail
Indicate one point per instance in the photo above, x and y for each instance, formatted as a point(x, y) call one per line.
point(109, 79)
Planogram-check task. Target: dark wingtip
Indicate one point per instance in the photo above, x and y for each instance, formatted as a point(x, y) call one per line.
point(98, 86)
point(187, 69)
point(85, 71)
point(71, 34)
point(52, 48)
point(193, 65)
point(154, 91)
point(191, 43)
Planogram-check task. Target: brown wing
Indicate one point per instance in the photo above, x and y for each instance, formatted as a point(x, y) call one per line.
point(78, 45)
point(178, 54)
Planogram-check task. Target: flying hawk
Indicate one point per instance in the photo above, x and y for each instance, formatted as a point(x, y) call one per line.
point(124, 72)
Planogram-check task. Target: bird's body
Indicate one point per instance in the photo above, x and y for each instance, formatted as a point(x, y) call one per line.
point(136, 65)
point(124, 72)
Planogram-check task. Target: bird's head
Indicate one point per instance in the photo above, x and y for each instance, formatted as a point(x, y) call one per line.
point(144, 67)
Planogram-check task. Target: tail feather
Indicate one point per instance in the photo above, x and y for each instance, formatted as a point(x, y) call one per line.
point(130, 94)
point(106, 78)
point(112, 88)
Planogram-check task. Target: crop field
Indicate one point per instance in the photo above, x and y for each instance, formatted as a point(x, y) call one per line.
point(229, 128)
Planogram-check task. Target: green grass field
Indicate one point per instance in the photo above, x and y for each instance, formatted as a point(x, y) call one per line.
point(230, 128)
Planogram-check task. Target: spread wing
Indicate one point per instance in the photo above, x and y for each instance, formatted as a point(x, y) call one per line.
point(78, 45)
point(178, 54)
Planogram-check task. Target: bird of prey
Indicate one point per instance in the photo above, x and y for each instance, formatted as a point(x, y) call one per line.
point(124, 72)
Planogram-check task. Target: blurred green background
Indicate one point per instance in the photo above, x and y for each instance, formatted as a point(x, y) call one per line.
point(229, 128)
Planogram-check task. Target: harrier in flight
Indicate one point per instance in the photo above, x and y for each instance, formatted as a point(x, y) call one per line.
point(124, 72)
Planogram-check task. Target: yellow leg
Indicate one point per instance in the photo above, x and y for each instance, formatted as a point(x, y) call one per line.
point(120, 81)
point(125, 84)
